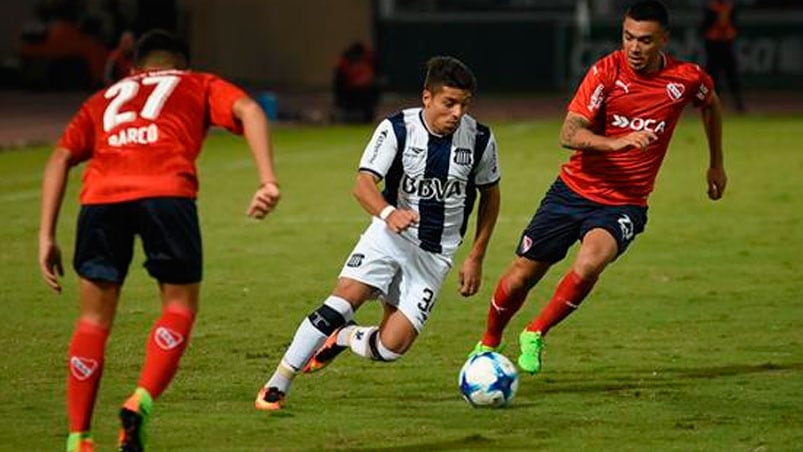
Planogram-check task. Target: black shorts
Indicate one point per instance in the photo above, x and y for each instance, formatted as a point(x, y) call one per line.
point(565, 217)
point(168, 227)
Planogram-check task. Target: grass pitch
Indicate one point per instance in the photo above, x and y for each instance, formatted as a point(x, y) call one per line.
point(691, 341)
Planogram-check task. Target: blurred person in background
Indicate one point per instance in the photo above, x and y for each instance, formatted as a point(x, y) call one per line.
point(356, 86)
point(120, 60)
point(719, 33)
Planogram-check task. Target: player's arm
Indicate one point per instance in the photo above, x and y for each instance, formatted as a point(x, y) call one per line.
point(54, 183)
point(487, 212)
point(371, 199)
point(712, 123)
point(257, 133)
point(576, 134)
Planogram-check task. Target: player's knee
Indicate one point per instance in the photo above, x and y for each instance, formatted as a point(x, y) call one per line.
point(333, 314)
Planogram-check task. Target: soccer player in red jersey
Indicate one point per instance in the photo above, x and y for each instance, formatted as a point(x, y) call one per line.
point(618, 126)
point(140, 139)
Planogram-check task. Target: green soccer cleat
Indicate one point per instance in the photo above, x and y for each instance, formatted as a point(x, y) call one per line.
point(133, 419)
point(531, 344)
point(482, 348)
point(80, 442)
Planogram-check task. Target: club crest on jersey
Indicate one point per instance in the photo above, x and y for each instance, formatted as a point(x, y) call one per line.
point(463, 156)
point(675, 91)
point(82, 368)
point(166, 338)
point(432, 188)
point(355, 260)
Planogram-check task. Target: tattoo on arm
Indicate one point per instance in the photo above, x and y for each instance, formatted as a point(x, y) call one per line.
point(568, 135)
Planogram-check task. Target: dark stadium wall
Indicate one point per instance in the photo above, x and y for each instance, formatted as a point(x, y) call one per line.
point(278, 44)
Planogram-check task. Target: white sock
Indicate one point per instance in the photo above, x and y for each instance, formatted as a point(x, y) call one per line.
point(385, 353)
point(344, 336)
point(282, 377)
point(308, 339)
point(359, 340)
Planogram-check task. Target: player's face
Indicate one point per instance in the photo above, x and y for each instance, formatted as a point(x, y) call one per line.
point(642, 42)
point(444, 108)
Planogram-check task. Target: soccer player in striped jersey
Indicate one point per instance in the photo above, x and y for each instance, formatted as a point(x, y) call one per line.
point(434, 161)
point(140, 139)
point(618, 126)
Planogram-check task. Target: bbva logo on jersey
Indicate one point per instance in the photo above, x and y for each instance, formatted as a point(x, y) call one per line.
point(429, 188)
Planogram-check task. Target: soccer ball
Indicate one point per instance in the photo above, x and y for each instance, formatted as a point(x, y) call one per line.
point(488, 379)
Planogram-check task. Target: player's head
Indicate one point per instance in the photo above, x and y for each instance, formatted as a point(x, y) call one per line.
point(448, 88)
point(160, 49)
point(645, 32)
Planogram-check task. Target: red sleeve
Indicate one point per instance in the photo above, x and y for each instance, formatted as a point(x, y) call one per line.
point(221, 98)
point(79, 136)
point(705, 89)
point(592, 91)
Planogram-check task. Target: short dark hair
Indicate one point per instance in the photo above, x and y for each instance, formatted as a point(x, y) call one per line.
point(161, 41)
point(649, 10)
point(449, 71)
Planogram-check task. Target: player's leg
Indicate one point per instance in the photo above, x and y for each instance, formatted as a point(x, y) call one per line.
point(408, 302)
point(386, 342)
point(103, 249)
point(606, 233)
point(511, 291)
point(98, 304)
point(555, 226)
point(316, 331)
point(176, 261)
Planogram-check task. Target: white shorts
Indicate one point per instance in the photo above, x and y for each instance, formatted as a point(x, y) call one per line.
point(406, 276)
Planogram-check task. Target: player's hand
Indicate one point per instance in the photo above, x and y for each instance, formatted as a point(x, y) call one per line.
point(50, 264)
point(401, 219)
point(640, 139)
point(470, 277)
point(264, 200)
point(717, 180)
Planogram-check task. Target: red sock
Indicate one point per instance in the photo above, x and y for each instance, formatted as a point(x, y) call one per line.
point(504, 305)
point(85, 367)
point(570, 293)
point(166, 344)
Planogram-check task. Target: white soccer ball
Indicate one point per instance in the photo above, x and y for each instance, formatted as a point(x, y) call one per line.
point(488, 379)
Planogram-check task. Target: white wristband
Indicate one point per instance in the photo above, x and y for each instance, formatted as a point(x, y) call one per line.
point(385, 213)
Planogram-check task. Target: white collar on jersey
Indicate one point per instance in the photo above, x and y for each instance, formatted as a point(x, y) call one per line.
point(426, 126)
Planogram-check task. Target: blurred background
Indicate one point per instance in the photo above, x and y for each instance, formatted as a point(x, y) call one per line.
point(298, 56)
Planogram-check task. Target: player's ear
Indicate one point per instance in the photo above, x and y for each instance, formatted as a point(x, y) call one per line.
point(426, 97)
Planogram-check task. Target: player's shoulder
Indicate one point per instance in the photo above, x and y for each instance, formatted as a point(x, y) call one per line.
point(608, 65)
point(682, 68)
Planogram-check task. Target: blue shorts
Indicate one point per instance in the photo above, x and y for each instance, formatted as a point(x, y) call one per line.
point(565, 217)
point(168, 227)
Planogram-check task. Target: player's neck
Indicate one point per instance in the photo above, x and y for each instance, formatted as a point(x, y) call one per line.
point(428, 126)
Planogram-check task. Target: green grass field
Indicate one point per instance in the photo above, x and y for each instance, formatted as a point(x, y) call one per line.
point(691, 341)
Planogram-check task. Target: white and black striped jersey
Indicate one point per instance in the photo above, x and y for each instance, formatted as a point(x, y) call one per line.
point(436, 176)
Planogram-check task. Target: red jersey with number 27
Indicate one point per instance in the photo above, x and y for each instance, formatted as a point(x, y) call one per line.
point(142, 135)
point(617, 101)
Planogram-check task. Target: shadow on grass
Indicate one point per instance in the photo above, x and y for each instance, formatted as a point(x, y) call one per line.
point(659, 377)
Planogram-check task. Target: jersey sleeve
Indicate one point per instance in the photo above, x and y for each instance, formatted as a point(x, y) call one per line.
point(380, 151)
point(488, 169)
point(589, 97)
point(79, 136)
point(221, 98)
point(705, 89)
